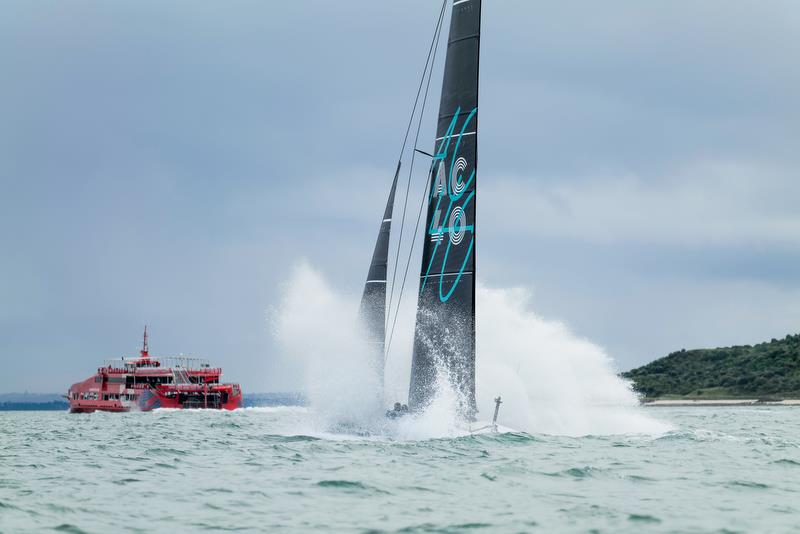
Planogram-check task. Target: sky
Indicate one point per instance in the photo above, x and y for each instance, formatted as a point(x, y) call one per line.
point(172, 163)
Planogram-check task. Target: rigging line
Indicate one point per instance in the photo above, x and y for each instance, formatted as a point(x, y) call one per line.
point(408, 262)
point(434, 41)
point(424, 196)
point(431, 54)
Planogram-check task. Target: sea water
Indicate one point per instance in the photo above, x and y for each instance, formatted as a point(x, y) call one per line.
point(730, 469)
point(583, 456)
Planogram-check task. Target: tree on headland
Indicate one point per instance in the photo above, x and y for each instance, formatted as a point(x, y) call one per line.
point(769, 369)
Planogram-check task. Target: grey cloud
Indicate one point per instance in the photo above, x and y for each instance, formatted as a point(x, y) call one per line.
point(169, 163)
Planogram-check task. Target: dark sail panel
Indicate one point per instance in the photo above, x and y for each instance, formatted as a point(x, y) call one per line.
point(444, 339)
point(373, 300)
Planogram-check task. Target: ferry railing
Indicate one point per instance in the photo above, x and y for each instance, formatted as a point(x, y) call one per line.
point(186, 362)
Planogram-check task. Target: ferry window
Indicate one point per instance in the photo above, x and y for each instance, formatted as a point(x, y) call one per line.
point(105, 397)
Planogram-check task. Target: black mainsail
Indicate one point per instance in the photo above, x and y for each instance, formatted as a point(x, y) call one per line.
point(444, 338)
point(373, 300)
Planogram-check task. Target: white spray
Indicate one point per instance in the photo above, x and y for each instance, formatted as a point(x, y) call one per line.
point(551, 381)
point(318, 327)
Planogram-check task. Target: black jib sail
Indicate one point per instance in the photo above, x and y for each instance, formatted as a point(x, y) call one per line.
point(444, 339)
point(373, 301)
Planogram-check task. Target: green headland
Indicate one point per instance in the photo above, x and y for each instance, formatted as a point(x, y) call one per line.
point(767, 371)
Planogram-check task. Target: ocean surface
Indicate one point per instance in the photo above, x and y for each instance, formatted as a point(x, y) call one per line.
point(732, 469)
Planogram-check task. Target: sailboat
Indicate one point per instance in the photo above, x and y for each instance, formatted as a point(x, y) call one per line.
point(444, 336)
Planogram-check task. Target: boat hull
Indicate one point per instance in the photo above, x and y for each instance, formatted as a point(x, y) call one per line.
point(92, 395)
point(149, 401)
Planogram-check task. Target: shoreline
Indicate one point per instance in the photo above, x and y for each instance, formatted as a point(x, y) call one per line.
point(720, 402)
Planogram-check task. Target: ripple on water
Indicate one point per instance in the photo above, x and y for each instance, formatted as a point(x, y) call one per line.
point(786, 461)
point(350, 486)
point(124, 481)
point(468, 526)
point(165, 465)
point(164, 451)
point(576, 472)
point(747, 484)
point(288, 439)
point(643, 518)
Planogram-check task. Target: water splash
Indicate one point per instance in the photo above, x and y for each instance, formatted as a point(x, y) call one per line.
point(318, 327)
point(551, 381)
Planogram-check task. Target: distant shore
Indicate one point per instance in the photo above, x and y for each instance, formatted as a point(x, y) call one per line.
point(720, 402)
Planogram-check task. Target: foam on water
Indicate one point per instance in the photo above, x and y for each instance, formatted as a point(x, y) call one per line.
point(551, 381)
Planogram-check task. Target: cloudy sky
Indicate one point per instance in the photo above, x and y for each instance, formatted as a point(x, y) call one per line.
point(169, 164)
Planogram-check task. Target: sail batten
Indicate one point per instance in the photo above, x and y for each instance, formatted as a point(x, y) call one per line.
point(444, 338)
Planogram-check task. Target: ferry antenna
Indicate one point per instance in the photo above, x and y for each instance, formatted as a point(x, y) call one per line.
point(144, 352)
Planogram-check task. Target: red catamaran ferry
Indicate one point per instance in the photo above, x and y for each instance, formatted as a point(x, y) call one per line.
point(146, 383)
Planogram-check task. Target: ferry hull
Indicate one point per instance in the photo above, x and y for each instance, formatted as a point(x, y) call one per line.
point(149, 400)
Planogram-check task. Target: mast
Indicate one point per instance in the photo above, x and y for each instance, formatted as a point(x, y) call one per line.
point(144, 353)
point(444, 338)
point(373, 301)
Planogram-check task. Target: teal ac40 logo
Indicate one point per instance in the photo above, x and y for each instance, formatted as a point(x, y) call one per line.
point(449, 189)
